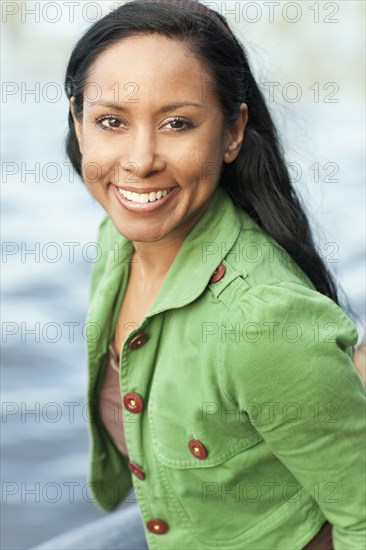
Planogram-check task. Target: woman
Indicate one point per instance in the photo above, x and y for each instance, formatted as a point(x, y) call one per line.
point(221, 382)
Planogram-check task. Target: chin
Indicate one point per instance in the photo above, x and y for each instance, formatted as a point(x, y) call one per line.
point(145, 235)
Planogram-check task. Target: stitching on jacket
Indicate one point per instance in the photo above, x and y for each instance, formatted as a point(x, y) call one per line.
point(215, 461)
point(267, 523)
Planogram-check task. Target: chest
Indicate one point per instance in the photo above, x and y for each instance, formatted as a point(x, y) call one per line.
point(135, 304)
point(177, 374)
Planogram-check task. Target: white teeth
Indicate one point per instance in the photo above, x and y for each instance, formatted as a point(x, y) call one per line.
point(143, 198)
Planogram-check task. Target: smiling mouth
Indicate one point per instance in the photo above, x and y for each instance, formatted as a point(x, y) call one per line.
point(144, 198)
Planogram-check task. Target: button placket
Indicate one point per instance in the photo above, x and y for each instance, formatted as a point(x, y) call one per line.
point(132, 401)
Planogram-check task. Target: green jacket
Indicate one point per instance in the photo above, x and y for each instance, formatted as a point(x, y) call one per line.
point(251, 428)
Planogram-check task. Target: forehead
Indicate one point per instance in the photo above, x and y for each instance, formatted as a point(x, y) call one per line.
point(154, 66)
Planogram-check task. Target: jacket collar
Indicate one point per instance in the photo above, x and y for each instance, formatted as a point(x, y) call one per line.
point(203, 249)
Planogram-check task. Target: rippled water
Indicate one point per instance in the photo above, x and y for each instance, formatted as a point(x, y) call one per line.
point(44, 431)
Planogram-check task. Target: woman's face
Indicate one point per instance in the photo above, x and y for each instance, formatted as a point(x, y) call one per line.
point(140, 133)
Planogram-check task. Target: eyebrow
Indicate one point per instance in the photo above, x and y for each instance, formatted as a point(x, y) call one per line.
point(164, 109)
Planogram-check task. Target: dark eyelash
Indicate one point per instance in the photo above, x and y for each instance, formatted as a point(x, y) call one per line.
point(99, 120)
point(189, 124)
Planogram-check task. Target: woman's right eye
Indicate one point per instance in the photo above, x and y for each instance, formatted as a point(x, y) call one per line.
point(108, 122)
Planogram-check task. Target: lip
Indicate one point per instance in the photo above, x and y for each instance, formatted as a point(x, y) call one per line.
point(144, 190)
point(146, 207)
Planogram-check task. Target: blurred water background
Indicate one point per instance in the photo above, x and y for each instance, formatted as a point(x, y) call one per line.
point(313, 51)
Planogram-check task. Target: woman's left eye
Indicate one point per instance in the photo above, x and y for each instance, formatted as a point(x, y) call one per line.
point(188, 124)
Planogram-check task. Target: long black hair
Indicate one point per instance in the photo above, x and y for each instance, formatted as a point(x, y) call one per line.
point(258, 181)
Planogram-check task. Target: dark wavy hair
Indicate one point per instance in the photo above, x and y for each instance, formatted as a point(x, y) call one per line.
point(258, 180)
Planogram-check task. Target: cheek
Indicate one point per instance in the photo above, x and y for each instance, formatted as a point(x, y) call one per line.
point(204, 162)
point(95, 148)
point(92, 174)
point(194, 160)
point(96, 161)
point(194, 151)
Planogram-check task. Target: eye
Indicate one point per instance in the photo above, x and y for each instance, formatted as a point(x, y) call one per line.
point(108, 122)
point(181, 121)
point(112, 123)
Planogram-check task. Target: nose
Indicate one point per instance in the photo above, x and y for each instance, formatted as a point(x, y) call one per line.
point(142, 159)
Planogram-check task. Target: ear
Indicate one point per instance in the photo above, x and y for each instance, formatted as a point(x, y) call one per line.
point(236, 135)
point(77, 125)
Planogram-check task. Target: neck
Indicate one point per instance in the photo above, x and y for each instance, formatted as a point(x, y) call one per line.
point(150, 261)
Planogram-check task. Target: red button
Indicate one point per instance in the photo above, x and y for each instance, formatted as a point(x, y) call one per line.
point(138, 472)
point(218, 274)
point(133, 402)
point(197, 449)
point(157, 526)
point(138, 340)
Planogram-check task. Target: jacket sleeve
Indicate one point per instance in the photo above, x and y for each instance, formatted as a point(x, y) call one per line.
point(291, 372)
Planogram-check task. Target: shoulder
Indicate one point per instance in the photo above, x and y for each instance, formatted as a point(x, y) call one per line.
point(285, 338)
point(264, 284)
point(285, 317)
point(273, 324)
point(254, 264)
point(261, 257)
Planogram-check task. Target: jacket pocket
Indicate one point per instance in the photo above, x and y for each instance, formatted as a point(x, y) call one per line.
point(206, 494)
point(234, 498)
point(221, 500)
point(186, 403)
